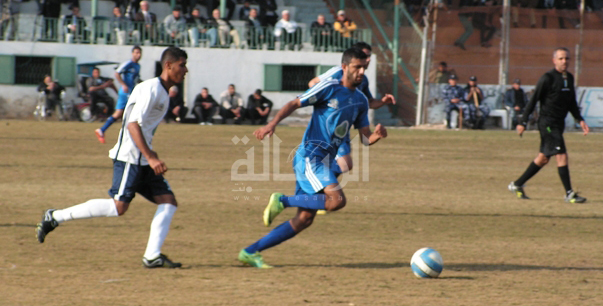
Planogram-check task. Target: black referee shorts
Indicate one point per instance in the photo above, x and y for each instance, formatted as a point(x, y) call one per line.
point(551, 137)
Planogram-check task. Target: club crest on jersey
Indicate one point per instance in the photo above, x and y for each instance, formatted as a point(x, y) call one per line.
point(333, 103)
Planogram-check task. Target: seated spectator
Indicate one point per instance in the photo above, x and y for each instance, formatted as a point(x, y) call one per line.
point(175, 26)
point(440, 75)
point(258, 107)
point(231, 105)
point(256, 34)
point(245, 10)
point(474, 97)
point(268, 15)
point(226, 32)
point(453, 96)
point(120, 25)
point(96, 90)
point(516, 100)
point(148, 19)
point(52, 90)
point(345, 27)
point(75, 25)
point(288, 31)
point(177, 111)
point(203, 28)
point(205, 105)
point(321, 33)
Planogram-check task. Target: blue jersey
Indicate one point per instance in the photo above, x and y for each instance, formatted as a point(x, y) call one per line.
point(337, 73)
point(336, 108)
point(130, 72)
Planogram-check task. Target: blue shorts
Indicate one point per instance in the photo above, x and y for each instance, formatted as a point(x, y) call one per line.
point(128, 179)
point(122, 99)
point(312, 175)
point(344, 149)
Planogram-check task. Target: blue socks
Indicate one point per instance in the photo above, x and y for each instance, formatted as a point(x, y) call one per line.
point(108, 123)
point(315, 201)
point(278, 235)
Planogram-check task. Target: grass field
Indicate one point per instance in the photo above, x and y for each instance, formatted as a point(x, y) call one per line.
point(440, 189)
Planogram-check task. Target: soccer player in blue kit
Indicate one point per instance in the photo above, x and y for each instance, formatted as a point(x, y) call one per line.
point(131, 73)
point(337, 105)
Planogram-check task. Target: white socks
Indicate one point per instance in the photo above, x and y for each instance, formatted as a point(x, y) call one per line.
point(90, 209)
point(159, 230)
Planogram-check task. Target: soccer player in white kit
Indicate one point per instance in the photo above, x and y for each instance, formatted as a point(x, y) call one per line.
point(136, 167)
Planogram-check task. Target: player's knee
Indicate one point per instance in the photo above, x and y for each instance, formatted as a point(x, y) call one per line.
point(335, 203)
point(306, 220)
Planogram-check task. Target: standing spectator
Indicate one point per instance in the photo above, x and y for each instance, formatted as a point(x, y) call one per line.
point(226, 32)
point(176, 111)
point(268, 15)
point(231, 105)
point(516, 99)
point(321, 33)
point(52, 90)
point(96, 89)
point(175, 25)
point(76, 25)
point(345, 27)
point(205, 105)
point(8, 18)
point(211, 5)
point(258, 107)
point(288, 31)
point(441, 75)
point(474, 97)
point(202, 27)
point(257, 35)
point(148, 19)
point(51, 10)
point(245, 10)
point(454, 99)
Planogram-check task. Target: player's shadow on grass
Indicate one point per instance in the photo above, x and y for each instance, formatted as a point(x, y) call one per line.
point(512, 267)
point(477, 215)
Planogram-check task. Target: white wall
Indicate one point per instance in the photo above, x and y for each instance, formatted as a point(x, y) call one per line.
point(211, 68)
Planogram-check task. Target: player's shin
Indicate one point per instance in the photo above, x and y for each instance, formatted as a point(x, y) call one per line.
point(159, 229)
point(91, 209)
point(278, 235)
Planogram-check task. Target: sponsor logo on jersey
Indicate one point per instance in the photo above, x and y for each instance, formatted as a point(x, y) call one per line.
point(333, 103)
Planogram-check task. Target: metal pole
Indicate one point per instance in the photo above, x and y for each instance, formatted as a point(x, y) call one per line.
point(173, 4)
point(422, 74)
point(94, 8)
point(579, 46)
point(395, 55)
point(341, 4)
point(503, 69)
point(222, 8)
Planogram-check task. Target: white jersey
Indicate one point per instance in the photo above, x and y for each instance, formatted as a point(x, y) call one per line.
point(146, 106)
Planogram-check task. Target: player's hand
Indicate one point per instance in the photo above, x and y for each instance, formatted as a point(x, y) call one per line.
point(380, 131)
point(156, 164)
point(125, 88)
point(520, 129)
point(264, 131)
point(585, 128)
point(388, 99)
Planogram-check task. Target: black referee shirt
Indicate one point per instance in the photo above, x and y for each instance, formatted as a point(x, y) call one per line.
point(557, 96)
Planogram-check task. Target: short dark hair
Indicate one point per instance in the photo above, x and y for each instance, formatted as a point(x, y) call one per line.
point(177, 7)
point(351, 53)
point(561, 49)
point(362, 45)
point(95, 68)
point(136, 47)
point(443, 64)
point(258, 92)
point(205, 88)
point(172, 54)
point(233, 86)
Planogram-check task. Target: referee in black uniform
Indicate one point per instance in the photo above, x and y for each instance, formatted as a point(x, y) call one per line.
point(555, 91)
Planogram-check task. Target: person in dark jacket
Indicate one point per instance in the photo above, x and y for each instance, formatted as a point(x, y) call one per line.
point(258, 107)
point(204, 108)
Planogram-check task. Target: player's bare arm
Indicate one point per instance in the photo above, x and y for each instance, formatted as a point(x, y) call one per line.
point(387, 99)
point(313, 81)
point(121, 81)
point(283, 113)
point(370, 138)
point(156, 164)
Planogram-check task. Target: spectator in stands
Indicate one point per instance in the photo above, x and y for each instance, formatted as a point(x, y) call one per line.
point(345, 28)
point(268, 15)
point(203, 28)
point(474, 97)
point(245, 10)
point(322, 33)
point(149, 19)
point(440, 75)
point(205, 105)
point(8, 18)
point(76, 25)
point(530, 4)
point(132, 7)
point(516, 100)
point(175, 25)
point(51, 10)
point(120, 25)
point(231, 105)
point(96, 90)
point(226, 32)
point(176, 111)
point(256, 33)
point(211, 5)
point(453, 96)
point(563, 6)
point(258, 107)
point(288, 31)
point(52, 90)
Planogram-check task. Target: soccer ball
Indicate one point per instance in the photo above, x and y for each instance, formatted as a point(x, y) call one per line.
point(426, 263)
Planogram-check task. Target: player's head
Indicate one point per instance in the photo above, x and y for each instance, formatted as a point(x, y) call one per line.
point(353, 63)
point(173, 61)
point(257, 94)
point(204, 92)
point(173, 91)
point(95, 72)
point(231, 89)
point(452, 79)
point(561, 58)
point(136, 53)
point(364, 47)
